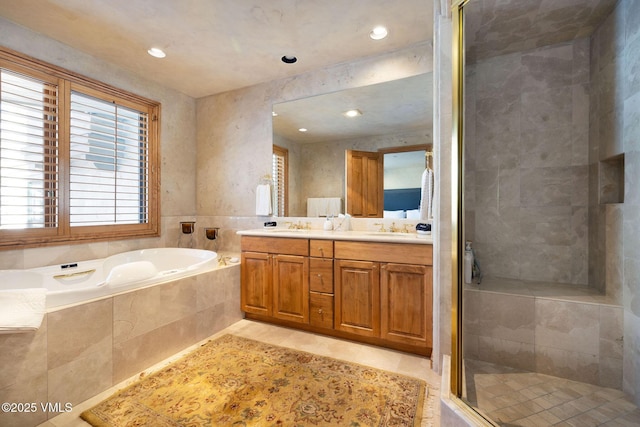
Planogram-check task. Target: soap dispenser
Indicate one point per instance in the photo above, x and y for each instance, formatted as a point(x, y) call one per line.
point(468, 262)
point(328, 224)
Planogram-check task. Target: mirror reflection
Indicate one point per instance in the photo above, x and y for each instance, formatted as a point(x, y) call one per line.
point(391, 118)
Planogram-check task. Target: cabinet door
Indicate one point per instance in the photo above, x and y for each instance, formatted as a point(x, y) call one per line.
point(291, 288)
point(255, 289)
point(406, 304)
point(357, 297)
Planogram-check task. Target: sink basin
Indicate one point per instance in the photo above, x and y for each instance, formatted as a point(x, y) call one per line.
point(286, 230)
point(389, 234)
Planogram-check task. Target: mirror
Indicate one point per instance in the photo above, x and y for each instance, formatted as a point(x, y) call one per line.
point(395, 115)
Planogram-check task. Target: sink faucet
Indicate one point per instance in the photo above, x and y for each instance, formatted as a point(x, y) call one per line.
point(299, 226)
point(381, 224)
point(393, 228)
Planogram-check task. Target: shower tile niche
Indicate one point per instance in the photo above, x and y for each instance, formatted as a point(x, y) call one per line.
point(611, 185)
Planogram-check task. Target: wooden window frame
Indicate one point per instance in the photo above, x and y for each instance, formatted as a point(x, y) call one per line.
point(284, 153)
point(63, 233)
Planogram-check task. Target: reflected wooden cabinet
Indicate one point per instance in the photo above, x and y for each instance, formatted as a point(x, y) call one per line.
point(379, 293)
point(364, 184)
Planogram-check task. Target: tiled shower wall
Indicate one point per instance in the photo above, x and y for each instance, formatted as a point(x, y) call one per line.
point(615, 131)
point(533, 219)
point(527, 130)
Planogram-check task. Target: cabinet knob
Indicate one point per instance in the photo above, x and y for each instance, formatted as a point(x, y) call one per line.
point(320, 311)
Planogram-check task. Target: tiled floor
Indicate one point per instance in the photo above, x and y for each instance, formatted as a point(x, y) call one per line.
point(511, 397)
point(359, 353)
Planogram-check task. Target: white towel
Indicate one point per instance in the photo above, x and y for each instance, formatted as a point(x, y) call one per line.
point(323, 206)
point(263, 200)
point(21, 310)
point(426, 195)
point(334, 206)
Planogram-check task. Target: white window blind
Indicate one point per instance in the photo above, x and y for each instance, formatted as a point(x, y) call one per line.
point(108, 163)
point(28, 152)
point(279, 172)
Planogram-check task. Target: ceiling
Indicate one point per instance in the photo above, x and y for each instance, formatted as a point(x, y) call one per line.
point(499, 27)
point(214, 46)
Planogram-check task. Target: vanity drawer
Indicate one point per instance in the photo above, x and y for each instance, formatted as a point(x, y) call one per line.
point(403, 253)
point(321, 248)
point(276, 245)
point(321, 310)
point(321, 275)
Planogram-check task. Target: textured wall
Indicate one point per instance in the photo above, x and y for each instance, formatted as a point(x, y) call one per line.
point(442, 133)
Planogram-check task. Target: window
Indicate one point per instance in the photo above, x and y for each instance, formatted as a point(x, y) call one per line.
point(28, 152)
point(78, 159)
point(108, 163)
point(280, 180)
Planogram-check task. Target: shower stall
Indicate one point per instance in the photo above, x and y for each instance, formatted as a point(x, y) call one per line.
point(548, 171)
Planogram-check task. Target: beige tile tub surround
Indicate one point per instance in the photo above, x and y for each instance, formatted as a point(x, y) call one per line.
point(82, 350)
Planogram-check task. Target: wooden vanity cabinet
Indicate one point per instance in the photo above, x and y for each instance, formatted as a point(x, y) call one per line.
point(275, 278)
point(374, 292)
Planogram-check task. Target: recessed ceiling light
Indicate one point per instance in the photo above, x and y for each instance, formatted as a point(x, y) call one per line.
point(289, 59)
point(303, 129)
point(378, 33)
point(353, 113)
point(158, 53)
point(274, 114)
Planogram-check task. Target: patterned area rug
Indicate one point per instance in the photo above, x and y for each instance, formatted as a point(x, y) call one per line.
point(241, 382)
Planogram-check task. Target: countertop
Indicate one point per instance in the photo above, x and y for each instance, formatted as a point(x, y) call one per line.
point(355, 235)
